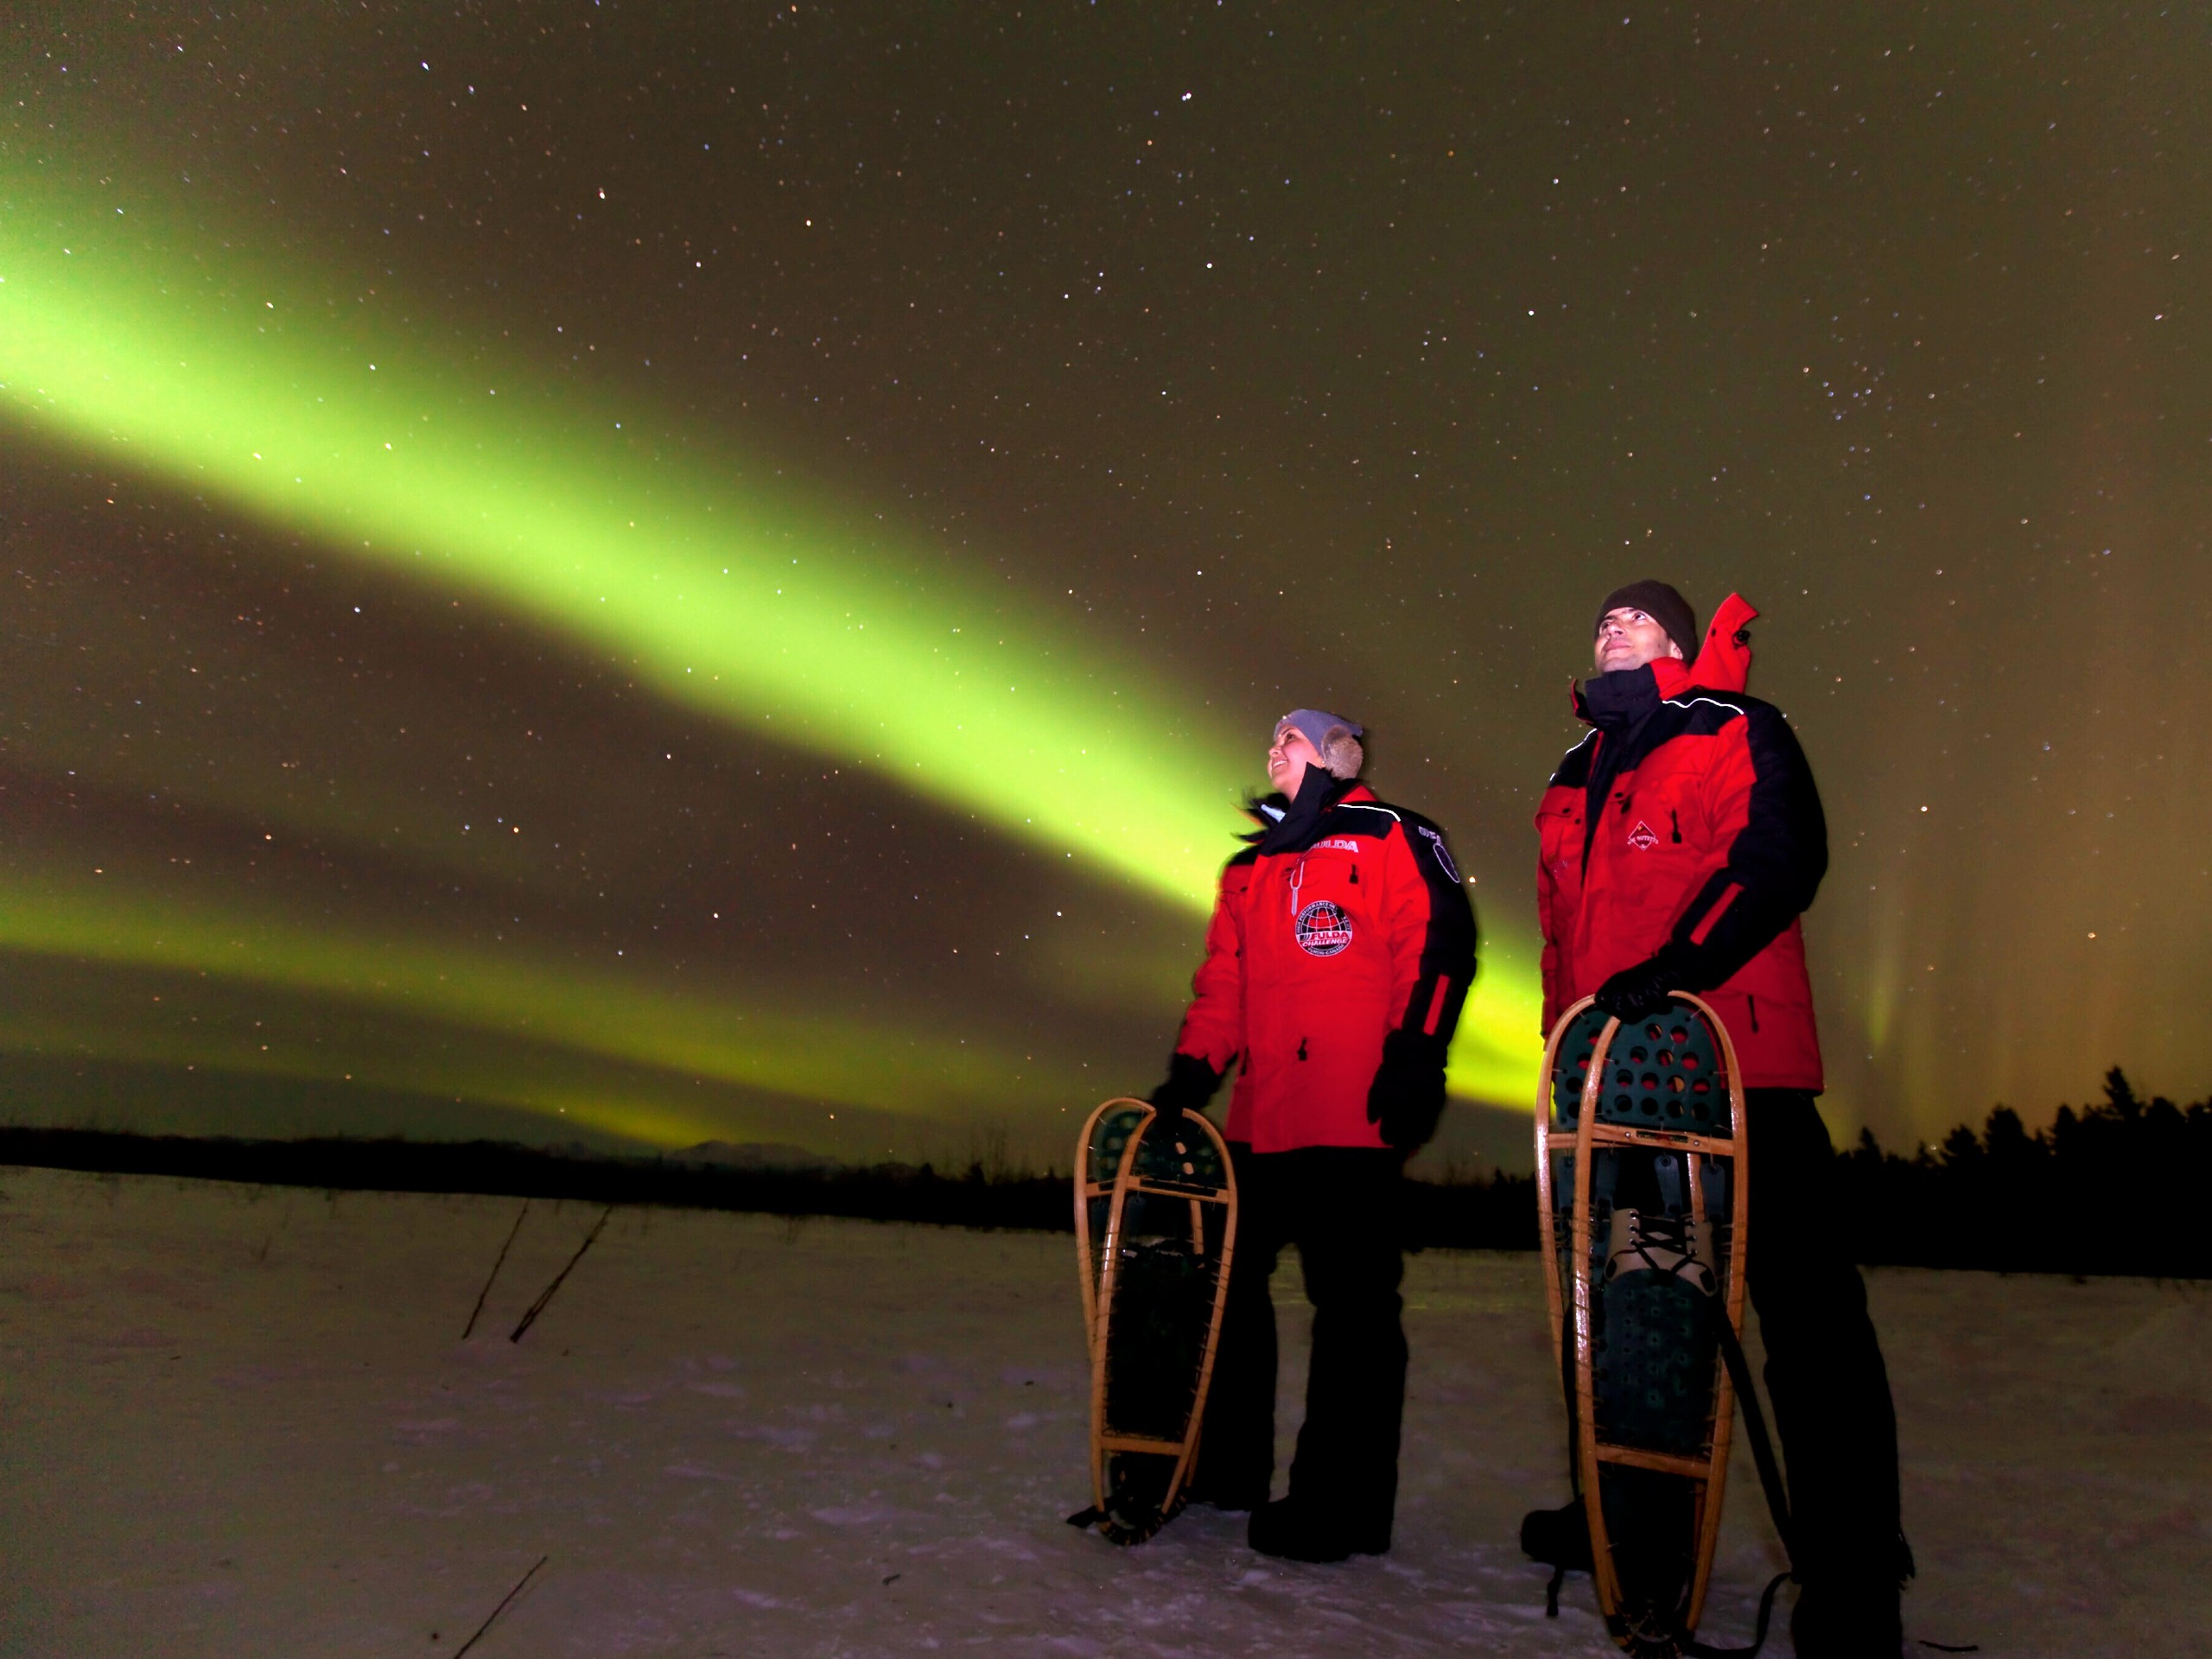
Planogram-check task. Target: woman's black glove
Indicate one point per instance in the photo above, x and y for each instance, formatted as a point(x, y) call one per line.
point(1634, 993)
point(1190, 1085)
point(1406, 1096)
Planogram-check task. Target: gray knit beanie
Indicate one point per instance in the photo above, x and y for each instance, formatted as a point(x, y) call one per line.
point(1333, 737)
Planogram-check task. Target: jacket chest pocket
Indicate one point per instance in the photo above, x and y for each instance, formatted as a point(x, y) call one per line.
point(1324, 902)
point(1559, 837)
point(1655, 815)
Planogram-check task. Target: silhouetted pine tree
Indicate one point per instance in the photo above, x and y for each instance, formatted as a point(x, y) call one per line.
point(2112, 1188)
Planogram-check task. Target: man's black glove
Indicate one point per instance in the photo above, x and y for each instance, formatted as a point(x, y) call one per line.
point(1406, 1096)
point(1190, 1085)
point(1634, 993)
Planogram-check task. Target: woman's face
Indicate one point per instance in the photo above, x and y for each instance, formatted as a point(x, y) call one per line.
point(1287, 758)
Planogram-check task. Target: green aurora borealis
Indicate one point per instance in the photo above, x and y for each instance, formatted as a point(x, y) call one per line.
point(549, 513)
point(745, 608)
point(661, 573)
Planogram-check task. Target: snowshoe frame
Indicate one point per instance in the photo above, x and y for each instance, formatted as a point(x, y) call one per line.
point(1099, 1249)
point(1567, 1293)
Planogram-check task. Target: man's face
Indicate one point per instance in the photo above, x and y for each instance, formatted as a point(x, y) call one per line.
point(1629, 637)
point(1288, 756)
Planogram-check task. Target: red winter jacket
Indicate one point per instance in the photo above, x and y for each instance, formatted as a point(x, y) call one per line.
point(1688, 816)
point(1346, 920)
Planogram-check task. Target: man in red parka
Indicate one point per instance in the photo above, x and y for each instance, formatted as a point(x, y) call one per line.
point(1341, 949)
point(1679, 843)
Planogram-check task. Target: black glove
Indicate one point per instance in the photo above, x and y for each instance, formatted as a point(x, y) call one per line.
point(1634, 993)
point(1191, 1082)
point(1406, 1096)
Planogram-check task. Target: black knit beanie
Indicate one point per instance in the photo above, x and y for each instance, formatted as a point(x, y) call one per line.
point(1662, 605)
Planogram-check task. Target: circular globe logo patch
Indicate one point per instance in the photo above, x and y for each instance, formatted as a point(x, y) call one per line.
point(1323, 929)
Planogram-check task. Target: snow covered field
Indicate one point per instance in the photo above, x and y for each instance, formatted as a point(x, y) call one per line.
point(240, 1420)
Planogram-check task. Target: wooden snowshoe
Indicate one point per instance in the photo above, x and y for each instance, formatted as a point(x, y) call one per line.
point(1155, 1221)
point(1641, 1182)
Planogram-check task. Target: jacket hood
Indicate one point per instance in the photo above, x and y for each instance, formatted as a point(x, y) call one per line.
point(1724, 661)
point(1316, 795)
point(1266, 811)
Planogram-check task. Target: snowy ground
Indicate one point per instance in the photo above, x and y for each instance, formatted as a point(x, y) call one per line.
point(239, 1420)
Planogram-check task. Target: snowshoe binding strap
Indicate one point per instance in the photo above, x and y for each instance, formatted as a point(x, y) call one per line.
point(1777, 1498)
point(1697, 1650)
point(1644, 1242)
point(1126, 1529)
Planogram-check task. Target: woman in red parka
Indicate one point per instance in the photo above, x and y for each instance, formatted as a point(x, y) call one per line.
point(1340, 951)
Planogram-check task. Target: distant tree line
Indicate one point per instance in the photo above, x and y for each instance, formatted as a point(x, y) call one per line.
point(336, 1163)
point(2116, 1187)
point(2119, 1186)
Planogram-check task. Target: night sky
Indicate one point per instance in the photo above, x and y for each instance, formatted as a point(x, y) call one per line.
point(656, 574)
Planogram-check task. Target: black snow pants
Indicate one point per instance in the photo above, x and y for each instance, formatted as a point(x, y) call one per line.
point(1339, 1205)
point(1824, 1371)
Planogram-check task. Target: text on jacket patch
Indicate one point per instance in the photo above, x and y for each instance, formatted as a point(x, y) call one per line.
point(1323, 929)
point(1642, 837)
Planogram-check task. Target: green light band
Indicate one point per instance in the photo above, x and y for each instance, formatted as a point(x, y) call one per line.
point(189, 361)
point(844, 1061)
point(227, 378)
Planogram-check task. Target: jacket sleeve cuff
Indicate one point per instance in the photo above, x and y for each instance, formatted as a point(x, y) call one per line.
point(1410, 1048)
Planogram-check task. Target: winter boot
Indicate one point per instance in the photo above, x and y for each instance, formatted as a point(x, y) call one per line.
point(1558, 1538)
point(1646, 1242)
point(1847, 1618)
point(1299, 1531)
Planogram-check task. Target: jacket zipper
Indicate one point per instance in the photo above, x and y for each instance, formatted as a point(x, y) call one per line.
point(1752, 1003)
